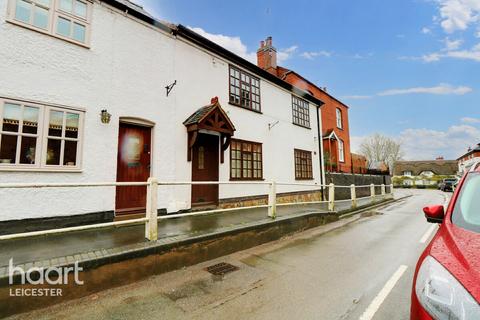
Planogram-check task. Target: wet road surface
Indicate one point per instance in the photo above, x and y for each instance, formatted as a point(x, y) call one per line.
point(311, 275)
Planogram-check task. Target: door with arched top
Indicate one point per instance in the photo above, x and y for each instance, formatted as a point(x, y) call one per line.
point(133, 165)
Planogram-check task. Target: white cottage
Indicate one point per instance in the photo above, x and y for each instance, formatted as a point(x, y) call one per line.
point(97, 91)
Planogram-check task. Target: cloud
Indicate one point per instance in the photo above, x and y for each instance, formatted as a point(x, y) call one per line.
point(286, 54)
point(311, 55)
point(470, 54)
point(442, 89)
point(235, 45)
point(470, 120)
point(458, 14)
point(425, 144)
point(356, 97)
point(426, 30)
point(452, 44)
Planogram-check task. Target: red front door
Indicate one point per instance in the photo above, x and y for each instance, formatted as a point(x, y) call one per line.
point(133, 164)
point(205, 168)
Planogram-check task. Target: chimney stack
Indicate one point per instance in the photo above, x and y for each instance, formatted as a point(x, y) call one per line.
point(267, 56)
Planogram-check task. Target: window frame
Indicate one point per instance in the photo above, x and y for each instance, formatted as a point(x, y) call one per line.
point(303, 155)
point(54, 12)
point(341, 155)
point(241, 82)
point(301, 114)
point(339, 118)
point(42, 137)
point(252, 143)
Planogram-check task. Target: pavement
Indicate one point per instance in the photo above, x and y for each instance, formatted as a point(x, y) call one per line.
point(49, 247)
point(333, 271)
point(68, 244)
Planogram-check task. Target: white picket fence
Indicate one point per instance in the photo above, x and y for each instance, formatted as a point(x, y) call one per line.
point(151, 218)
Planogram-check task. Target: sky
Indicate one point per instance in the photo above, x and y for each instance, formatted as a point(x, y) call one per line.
point(409, 69)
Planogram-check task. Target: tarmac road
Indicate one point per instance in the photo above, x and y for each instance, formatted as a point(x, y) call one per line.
point(363, 270)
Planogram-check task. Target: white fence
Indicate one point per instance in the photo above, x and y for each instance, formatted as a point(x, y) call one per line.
point(151, 218)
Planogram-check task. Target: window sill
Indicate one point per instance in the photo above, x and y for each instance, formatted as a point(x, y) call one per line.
point(240, 106)
point(45, 32)
point(304, 179)
point(30, 169)
point(299, 125)
point(247, 179)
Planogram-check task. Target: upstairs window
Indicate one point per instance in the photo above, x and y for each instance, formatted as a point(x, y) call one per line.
point(301, 112)
point(407, 173)
point(244, 89)
point(303, 165)
point(339, 119)
point(35, 136)
point(245, 160)
point(66, 19)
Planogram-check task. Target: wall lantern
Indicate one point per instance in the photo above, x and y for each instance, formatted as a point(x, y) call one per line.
point(105, 116)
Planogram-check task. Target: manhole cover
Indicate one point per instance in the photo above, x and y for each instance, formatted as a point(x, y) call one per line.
point(221, 268)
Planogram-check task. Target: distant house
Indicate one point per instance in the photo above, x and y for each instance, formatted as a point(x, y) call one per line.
point(465, 161)
point(378, 167)
point(427, 172)
point(359, 163)
point(334, 113)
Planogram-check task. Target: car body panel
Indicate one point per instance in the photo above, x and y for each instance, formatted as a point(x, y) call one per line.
point(458, 250)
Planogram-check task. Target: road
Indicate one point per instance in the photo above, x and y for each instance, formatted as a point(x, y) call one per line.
point(362, 271)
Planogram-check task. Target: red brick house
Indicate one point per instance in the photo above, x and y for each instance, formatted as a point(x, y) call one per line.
point(335, 128)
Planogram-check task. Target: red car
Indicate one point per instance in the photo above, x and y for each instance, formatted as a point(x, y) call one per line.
point(446, 284)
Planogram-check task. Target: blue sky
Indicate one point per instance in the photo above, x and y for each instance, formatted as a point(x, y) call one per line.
point(409, 69)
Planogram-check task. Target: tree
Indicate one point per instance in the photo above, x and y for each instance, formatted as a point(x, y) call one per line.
point(381, 148)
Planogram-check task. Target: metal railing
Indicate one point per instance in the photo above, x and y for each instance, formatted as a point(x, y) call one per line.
point(151, 217)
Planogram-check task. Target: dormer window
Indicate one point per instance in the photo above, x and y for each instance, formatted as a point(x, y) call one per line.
point(65, 19)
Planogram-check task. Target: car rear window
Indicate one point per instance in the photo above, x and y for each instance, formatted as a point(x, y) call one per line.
point(466, 213)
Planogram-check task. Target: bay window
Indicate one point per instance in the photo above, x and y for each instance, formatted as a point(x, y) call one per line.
point(35, 136)
point(66, 19)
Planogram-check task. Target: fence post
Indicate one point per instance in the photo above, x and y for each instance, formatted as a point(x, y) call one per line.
point(151, 226)
point(372, 192)
point(272, 200)
point(383, 189)
point(331, 197)
point(391, 188)
point(353, 194)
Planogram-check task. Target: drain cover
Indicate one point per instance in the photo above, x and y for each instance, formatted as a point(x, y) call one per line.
point(221, 268)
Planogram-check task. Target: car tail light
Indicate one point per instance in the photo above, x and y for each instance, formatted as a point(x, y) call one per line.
point(442, 295)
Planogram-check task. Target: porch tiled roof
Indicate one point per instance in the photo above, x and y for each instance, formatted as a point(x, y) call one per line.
point(199, 114)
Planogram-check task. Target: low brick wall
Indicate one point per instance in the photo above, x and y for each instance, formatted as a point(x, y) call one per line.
point(347, 179)
point(300, 196)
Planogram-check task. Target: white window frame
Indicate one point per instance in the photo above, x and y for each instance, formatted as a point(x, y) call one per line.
point(42, 138)
point(341, 150)
point(54, 12)
point(339, 118)
point(407, 173)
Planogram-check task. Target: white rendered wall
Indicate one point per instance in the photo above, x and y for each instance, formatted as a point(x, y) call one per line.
point(125, 71)
point(120, 72)
point(201, 76)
